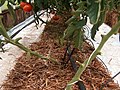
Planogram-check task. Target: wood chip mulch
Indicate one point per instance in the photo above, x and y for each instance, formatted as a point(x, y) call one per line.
point(32, 73)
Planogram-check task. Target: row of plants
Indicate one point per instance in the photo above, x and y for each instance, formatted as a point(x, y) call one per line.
point(81, 11)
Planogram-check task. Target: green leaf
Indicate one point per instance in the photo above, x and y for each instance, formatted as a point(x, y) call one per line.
point(78, 34)
point(78, 39)
point(93, 12)
point(81, 23)
point(81, 4)
point(94, 30)
point(98, 24)
point(69, 31)
point(74, 32)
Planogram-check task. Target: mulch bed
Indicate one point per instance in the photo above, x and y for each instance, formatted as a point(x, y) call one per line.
point(32, 73)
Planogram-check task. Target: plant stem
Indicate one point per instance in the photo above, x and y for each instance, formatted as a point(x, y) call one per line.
point(82, 68)
point(80, 84)
point(30, 51)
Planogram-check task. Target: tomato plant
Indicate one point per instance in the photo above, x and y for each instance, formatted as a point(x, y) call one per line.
point(80, 10)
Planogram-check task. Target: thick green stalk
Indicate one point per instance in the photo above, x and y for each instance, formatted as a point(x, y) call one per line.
point(82, 67)
point(16, 43)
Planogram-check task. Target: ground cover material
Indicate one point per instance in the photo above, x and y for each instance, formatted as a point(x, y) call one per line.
point(31, 73)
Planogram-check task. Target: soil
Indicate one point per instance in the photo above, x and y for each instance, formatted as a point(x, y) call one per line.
point(32, 73)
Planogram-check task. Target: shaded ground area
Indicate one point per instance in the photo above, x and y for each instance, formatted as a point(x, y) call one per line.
point(31, 73)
